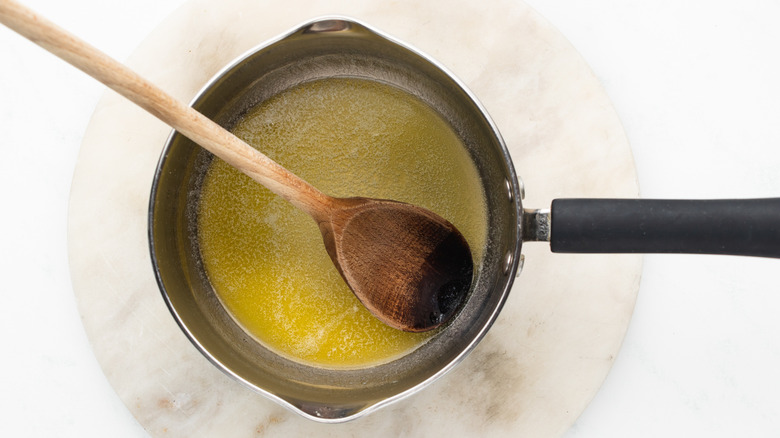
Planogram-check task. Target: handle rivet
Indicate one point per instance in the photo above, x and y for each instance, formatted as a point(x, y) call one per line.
point(520, 265)
point(508, 259)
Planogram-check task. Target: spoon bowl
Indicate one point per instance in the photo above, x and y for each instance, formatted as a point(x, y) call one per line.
point(426, 257)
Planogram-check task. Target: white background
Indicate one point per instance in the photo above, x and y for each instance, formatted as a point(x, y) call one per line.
point(697, 86)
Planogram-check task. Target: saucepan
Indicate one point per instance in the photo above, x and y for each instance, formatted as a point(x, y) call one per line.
point(342, 47)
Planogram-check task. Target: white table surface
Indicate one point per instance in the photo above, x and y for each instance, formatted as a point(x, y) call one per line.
point(696, 85)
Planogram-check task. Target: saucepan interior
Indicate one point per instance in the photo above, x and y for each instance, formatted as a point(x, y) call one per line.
point(333, 47)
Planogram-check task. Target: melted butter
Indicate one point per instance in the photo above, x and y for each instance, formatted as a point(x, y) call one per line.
point(266, 259)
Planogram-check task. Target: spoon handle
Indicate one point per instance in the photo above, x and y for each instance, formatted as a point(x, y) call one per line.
point(165, 107)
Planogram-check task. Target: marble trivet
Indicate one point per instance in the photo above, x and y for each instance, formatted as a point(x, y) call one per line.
point(564, 321)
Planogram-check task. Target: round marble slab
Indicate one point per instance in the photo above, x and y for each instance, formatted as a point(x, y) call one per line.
point(565, 319)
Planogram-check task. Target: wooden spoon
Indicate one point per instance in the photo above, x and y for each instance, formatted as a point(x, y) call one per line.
point(411, 268)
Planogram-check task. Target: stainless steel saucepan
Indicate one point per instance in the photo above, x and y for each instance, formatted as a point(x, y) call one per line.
point(338, 47)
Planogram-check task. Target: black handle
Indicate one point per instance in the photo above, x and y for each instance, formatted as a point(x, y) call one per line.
point(738, 227)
